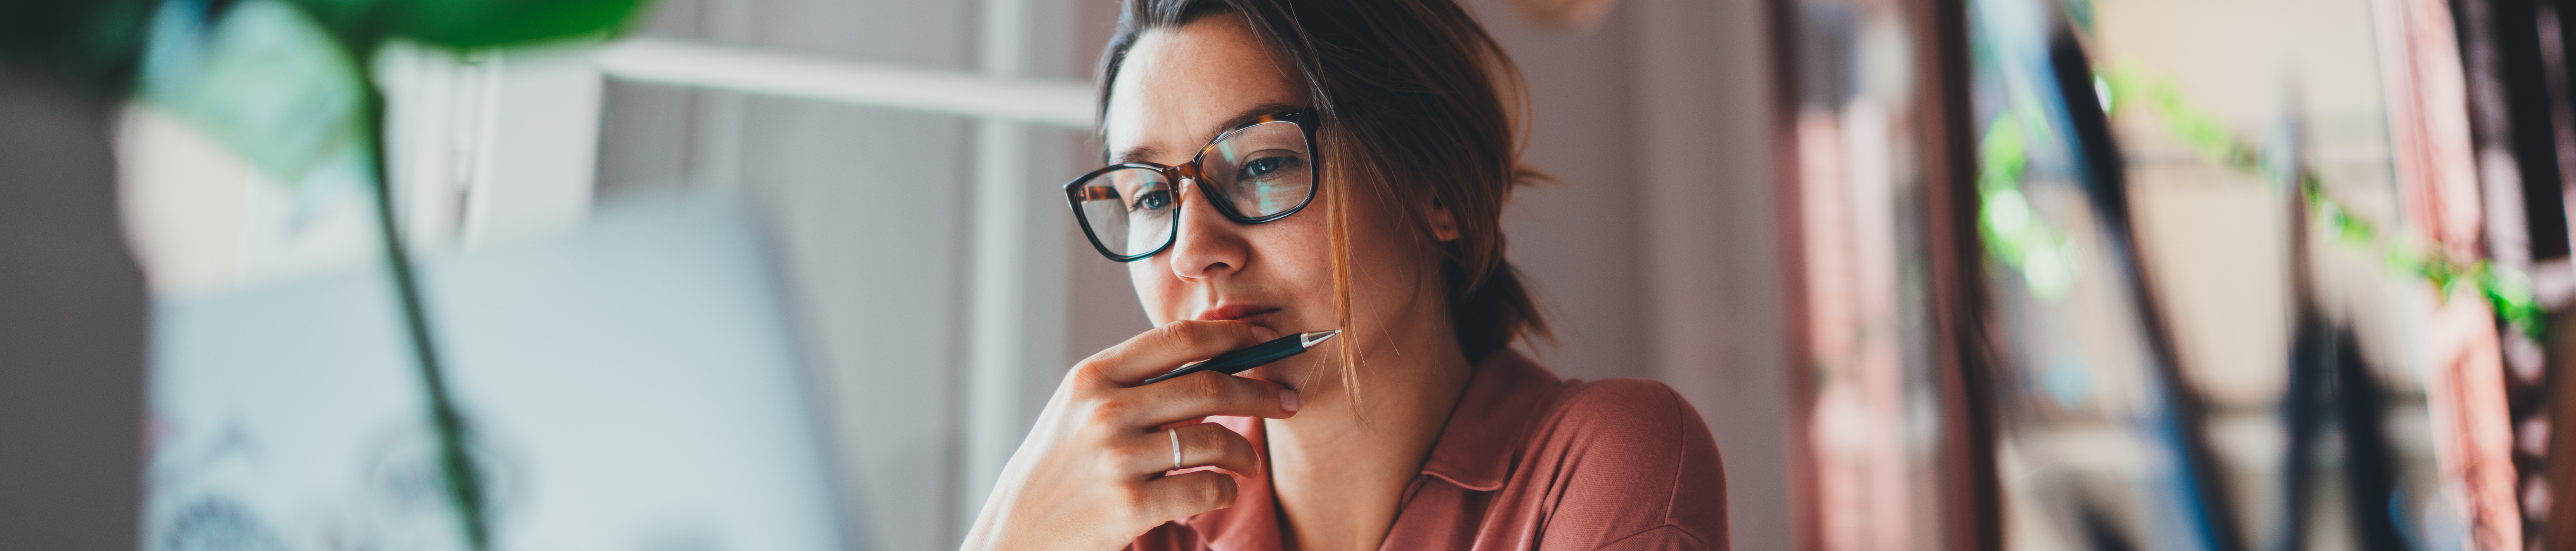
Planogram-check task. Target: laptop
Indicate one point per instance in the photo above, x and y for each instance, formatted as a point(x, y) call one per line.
point(630, 387)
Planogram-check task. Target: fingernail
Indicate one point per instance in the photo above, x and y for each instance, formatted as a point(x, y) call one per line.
point(1264, 333)
point(1288, 400)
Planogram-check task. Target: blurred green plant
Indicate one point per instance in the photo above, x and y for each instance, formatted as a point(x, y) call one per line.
point(470, 24)
point(2013, 231)
point(2023, 241)
point(287, 84)
point(2507, 291)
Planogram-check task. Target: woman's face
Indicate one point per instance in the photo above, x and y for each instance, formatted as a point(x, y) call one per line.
point(1178, 89)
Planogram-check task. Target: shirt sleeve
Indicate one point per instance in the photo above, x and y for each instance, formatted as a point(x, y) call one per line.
point(1634, 468)
point(1668, 538)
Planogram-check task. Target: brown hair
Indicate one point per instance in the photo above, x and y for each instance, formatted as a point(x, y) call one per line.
point(1413, 103)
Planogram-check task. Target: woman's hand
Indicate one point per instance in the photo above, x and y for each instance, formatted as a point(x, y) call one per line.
point(1091, 475)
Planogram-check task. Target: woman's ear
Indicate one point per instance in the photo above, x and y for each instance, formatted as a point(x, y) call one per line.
point(1443, 225)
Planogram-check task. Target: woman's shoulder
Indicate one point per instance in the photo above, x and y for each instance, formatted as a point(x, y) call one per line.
point(1517, 407)
point(1559, 413)
point(1605, 464)
point(1630, 419)
point(1622, 398)
point(1634, 463)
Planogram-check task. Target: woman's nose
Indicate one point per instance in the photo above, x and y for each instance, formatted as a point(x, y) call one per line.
point(1208, 245)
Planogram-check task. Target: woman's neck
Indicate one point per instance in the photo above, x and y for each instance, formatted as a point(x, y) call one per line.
point(1337, 478)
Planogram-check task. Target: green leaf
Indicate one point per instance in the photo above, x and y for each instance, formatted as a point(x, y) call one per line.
point(466, 24)
point(350, 19)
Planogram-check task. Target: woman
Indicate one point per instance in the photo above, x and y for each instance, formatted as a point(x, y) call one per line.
point(1282, 166)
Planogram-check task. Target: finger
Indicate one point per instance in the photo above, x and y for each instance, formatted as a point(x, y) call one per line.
point(1199, 445)
point(1203, 394)
point(1186, 494)
point(1166, 348)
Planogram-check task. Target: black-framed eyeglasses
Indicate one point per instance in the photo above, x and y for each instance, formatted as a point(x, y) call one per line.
point(1262, 171)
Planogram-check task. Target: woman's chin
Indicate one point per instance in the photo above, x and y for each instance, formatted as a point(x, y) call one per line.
point(1293, 374)
point(1269, 373)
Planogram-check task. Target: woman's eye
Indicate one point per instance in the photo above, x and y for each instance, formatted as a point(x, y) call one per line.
point(1152, 200)
point(1265, 166)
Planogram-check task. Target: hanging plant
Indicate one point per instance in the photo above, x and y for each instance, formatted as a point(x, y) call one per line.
point(2507, 291)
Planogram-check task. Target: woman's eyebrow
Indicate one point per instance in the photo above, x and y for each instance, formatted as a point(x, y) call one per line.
point(1141, 154)
point(1138, 154)
point(1245, 118)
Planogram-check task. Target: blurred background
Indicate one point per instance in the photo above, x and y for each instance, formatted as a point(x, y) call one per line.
point(1940, 274)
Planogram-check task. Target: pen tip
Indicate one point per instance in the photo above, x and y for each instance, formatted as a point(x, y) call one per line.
point(1312, 337)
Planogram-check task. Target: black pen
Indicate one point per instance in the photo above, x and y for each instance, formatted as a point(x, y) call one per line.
point(1235, 362)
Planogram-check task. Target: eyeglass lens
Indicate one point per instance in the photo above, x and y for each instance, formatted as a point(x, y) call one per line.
point(1262, 171)
point(1130, 210)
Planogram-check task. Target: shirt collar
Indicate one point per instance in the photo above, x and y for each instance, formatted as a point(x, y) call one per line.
point(1478, 444)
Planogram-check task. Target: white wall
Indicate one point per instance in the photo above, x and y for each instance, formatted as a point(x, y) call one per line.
point(869, 210)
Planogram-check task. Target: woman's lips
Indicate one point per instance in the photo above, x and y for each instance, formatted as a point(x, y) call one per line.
point(1254, 313)
point(1261, 318)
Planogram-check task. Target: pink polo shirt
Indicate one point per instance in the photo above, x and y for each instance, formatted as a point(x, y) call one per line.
point(1528, 460)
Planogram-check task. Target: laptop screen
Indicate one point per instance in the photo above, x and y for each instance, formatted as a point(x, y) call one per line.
point(631, 387)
